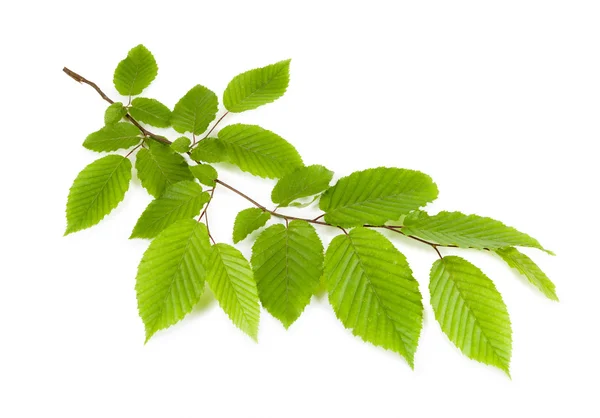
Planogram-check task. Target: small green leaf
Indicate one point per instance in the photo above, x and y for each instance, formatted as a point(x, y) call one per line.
point(525, 265)
point(471, 311)
point(230, 279)
point(205, 173)
point(135, 72)
point(150, 111)
point(257, 87)
point(158, 167)
point(258, 151)
point(304, 182)
point(288, 264)
point(114, 113)
point(194, 111)
point(210, 150)
point(181, 200)
point(113, 137)
point(248, 221)
point(171, 275)
point(181, 144)
point(373, 292)
point(96, 191)
point(376, 196)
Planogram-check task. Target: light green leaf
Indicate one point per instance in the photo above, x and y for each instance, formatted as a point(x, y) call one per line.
point(113, 137)
point(194, 111)
point(525, 265)
point(258, 151)
point(248, 221)
point(158, 167)
point(96, 191)
point(135, 72)
point(466, 231)
point(181, 144)
point(373, 292)
point(257, 87)
point(287, 264)
point(230, 279)
point(210, 150)
point(171, 275)
point(471, 311)
point(376, 196)
point(205, 173)
point(114, 113)
point(150, 111)
point(304, 182)
point(181, 200)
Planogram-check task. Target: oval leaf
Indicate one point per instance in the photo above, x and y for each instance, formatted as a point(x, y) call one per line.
point(158, 167)
point(150, 111)
point(113, 137)
point(135, 72)
point(114, 113)
point(304, 182)
point(248, 221)
point(194, 111)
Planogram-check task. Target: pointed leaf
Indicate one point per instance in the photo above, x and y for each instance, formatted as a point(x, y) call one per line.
point(113, 137)
point(114, 113)
point(287, 264)
point(230, 279)
point(248, 221)
point(135, 72)
point(181, 144)
point(150, 111)
point(373, 292)
point(158, 167)
point(96, 191)
point(304, 182)
point(257, 87)
point(471, 311)
point(170, 278)
point(205, 173)
point(181, 200)
point(376, 196)
point(194, 111)
point(210, 150)
point(525, 265)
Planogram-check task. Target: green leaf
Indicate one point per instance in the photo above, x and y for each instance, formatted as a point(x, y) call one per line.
point(171, 275)
point(96, 191)
point(525, 265)
point(248, 221)
point(158, 167)
point(465, 231)
point(210, 150)
point(287, 264)
point(114, 113)
point(135, 72)
point(194, 111)
point(471, 311)
point(376, 196)
point(150, 111)
point(257, 87)
point(230, 279)
point(304, 182)
point(258, 151)
point(113, 137)
point(181, 144)
point(373, 292)
point(205, 173)
point(181, 200)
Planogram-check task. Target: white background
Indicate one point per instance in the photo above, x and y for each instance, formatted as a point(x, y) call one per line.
point(498, 101)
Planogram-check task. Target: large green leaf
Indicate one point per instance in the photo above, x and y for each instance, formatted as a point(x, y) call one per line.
point(113, 137)
point(135, 72)
point(258, 151)
point(230, 279)
point(158, 167)
point(257, 87)
point(287, 264)
point(373, 292)
point(181, 200)
point(248, 221)
point(525, 265)
point(304, 182)
point(171, 275)
point(210, 150)
point(376, 196)
point(114, 113)
point(466, 231)
point(96, 191)
point(150, 111)
point(205, 173)
point(194, 111)
point(471, 311)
